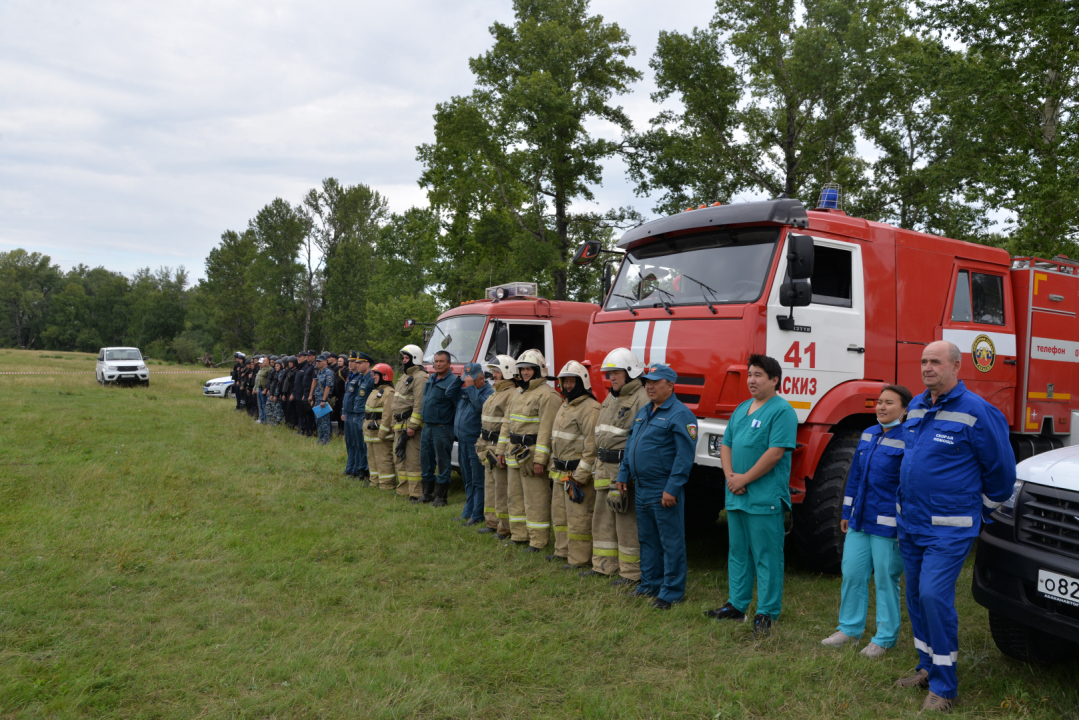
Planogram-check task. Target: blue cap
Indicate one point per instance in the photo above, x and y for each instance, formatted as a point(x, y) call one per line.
point(473, 370)
point(658, 371)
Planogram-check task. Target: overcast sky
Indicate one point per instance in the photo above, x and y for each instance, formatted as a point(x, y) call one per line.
point(132, 134)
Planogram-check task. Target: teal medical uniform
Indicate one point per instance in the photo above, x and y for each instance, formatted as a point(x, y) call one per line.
point(755, 518)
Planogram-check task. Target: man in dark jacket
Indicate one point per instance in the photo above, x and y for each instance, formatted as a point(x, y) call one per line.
point(436, 443)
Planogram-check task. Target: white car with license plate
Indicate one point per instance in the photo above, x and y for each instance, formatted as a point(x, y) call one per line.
point(120, 365)
point(1027, 569)
point(218, 387)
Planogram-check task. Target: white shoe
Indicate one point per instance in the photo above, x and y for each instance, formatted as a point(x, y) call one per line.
point(872, 650)
point(836, 639)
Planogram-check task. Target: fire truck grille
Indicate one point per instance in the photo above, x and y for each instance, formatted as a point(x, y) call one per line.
point(1049, 518)
point(128, 368)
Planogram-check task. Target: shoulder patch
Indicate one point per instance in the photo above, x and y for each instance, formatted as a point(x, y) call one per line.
point(692, 429)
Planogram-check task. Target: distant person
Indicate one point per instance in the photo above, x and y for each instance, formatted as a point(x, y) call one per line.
point(871, 548)
point(756, 455)
point(378, 428)
point(438, 410)
point(659, 455)
point(957, 468)
point(237, 374)
point(322, 396)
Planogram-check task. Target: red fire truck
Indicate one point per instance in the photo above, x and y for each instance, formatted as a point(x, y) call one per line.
point(846, 305)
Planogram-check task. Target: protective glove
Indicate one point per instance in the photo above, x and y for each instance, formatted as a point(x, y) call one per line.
point(399, 448)
point(492, 460)
point(617, 501)
point(576, 495)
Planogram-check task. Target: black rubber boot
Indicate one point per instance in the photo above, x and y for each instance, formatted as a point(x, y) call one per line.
point(441, 490)
point(428, 492)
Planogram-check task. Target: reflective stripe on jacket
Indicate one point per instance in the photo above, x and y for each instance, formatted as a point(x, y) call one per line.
point(408, 397)
point(573, 437)
point(873, 480)
point(531, 412)
point(613, 425)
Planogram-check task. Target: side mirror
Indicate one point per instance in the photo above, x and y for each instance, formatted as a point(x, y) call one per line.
point(799, 257)
point(409, 324)
point(796, 293)
point(587, 253)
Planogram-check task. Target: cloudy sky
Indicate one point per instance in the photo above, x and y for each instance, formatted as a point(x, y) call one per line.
point(132, 134)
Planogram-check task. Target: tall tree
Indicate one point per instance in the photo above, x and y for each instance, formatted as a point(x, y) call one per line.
point(520, 138)
point(226, 290)
point(26, 282)
point(276, 274)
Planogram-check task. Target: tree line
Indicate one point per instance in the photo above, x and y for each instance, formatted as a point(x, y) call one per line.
point(934, 115)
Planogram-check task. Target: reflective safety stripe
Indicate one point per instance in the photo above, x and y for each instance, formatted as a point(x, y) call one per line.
point(543, 448)
point(417, 416)
point(614, 494)
point(949, 416)
point(491, 418)
point(399, 426)
point(602, 552)
point(920, 645)
point(368, 408)
point(537, 525)
point(885, 520)
point(586, 538)
point(601, 484)
point(384, 428)
point(586, 467)
point(629, 558)
point(915, 414)
point(503, 516)
point(511, 461)
point(866, 437)
point(891, 442)
point(612, 430)
point(516, 519)
point(605, 545)
point(370, 439)
point(848, 500)
point(953, 520)
point(561, 528)
point(565, 435)
point(990, 503)
point(524, 418)
point(488, 510)
point(634, 551)
point(948, 660)
point(898, 510)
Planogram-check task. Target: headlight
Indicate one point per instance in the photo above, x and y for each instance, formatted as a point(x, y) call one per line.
point(1007, 509)
point(715, 442)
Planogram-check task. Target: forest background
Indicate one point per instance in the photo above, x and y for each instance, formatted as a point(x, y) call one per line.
point(968, 108)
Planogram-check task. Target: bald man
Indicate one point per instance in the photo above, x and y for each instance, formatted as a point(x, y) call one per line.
point(958, 466)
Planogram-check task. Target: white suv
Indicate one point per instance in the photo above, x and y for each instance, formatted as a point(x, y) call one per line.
point(121, 364)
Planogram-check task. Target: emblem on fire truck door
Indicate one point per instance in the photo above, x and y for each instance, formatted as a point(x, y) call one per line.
point(984, 353)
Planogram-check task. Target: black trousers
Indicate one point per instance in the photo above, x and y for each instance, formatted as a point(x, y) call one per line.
point(239, 396)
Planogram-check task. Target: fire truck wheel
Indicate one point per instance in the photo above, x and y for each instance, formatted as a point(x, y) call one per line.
point(816, 521)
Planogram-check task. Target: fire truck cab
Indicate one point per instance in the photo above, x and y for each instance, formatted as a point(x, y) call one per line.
point(846, 306)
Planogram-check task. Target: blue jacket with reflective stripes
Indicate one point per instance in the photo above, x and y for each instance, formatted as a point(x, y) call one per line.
point(957, 467)
point(869, 502)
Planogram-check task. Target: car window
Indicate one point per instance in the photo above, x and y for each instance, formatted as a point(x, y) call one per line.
point(125, 354)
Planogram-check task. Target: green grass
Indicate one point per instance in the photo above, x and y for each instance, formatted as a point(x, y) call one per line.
point(163, 557)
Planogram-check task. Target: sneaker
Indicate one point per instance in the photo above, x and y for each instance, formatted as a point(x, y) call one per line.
point(620, 581)
point(919, 679)
point(935, 703)
point(837, 639)
point(762, 625)
point(660, 604)
point(873, 651)
point(727, 612)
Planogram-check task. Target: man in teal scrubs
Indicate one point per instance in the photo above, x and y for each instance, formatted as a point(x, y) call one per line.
point(756, 456)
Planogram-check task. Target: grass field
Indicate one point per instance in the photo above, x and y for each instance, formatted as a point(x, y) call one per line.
point(163, 557)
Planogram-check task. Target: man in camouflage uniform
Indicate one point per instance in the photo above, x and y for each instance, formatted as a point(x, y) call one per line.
point(322, 395)
point(408, 422)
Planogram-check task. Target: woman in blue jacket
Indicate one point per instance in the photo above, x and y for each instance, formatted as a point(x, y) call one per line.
point(871, 547)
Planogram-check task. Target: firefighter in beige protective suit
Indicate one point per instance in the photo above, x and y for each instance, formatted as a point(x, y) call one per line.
point(615, 549)
point(525, 443)
point(495, 494)
point(573, 452)
point(378, 429)
point(408, 422)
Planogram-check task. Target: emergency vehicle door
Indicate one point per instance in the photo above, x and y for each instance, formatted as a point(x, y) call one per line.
point(826, 346)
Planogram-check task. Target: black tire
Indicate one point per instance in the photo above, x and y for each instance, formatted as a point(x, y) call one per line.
point(817, 534)
point(705, 497)
point(1022, 642)
point(228, 393)
point(146, 383)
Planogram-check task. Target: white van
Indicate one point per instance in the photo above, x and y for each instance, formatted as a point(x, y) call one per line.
point(121, 364)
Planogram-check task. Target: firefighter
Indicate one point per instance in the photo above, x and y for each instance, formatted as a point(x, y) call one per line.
point(377, 424)
point(871, 548)
point(495, 498)
point(756, 456)
point(408, 423)
point(236, 374)
point(658, 458)
point(615, 549)
point(573, 455)
point(958, 467)
point(525, 443)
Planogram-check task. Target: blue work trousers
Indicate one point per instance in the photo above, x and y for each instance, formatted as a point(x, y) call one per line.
point(866, 556)
point(355, 446)
point(756, 553)
point(473, 476)
point(436, 447)
point(262, 405)
point(662, 535)
point(933, 565)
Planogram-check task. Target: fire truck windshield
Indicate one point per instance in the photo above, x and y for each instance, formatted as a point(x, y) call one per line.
point(723, 266)
point(458, 335)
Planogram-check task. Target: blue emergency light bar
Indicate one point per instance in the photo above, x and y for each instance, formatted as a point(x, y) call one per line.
point(830, 197)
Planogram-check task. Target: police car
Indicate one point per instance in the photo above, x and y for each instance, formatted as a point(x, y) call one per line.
point(1027, 568)
point(218, 387)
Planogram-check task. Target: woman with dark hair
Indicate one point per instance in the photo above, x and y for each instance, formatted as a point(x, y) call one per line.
point(871, 548)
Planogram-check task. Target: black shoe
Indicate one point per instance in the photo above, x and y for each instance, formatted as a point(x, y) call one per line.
point(414, 500)
point(638, 593)
point(590, 573)
point(620, 581)
point(500, 537)
point(530, 549)
point(462, 521)
point(487, 531)
point(727, 612)
point(507, 543)
point(441, 490)
point(762, 626)
point(474, 521)
point(347, 474)
point(567, 566)
point(660, 604)
point(552, 558)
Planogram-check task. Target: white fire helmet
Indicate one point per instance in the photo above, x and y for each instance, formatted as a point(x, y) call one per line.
point(505, 365)
point(622, 359)
point(535, 359)
point(577, 370)
point(415, 352)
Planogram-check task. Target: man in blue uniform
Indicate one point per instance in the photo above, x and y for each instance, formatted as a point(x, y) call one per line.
point(658, 458)
point(360, 381)
point(436, 442)
point(957, 468)
point(466, 428)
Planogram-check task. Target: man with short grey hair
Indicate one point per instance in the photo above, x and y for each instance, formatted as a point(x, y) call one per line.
point(958, 466)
